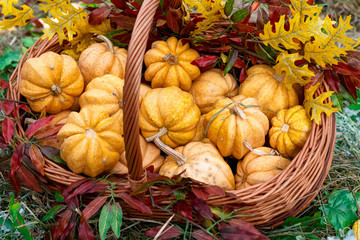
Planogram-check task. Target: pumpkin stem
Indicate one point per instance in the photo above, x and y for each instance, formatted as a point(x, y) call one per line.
point(259, 152)
point(239, 112)
point(55, 90)
point(171, 59)
point(180, 159)
point(285, 127)
point(108, 42)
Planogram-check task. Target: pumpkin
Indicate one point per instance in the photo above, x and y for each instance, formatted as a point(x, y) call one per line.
point(255, 169)
point(269, 89)
point(200, 130)
point(169, 64)
point(211, 86)
point(203, 163)
point(171, 110)
point(91, 142)
point(290, 130)
point(76, 106)
point(61, 117)
point(150, 156)
point(51, 82)
point(236, 124)
point(100, 59)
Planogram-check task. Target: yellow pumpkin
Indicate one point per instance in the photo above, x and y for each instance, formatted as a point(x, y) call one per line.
point(235, 125)
point(91, 142)
point(211, 86)
point(200, 130)
point(169, 64)
point(51, 82)
point(263, 84)
point(172, 110)
point(100, 59)
point(255, 169)
point(356, 229)
point(61, 117)
point(204, 163)
point(150, 155)
point(290, 130)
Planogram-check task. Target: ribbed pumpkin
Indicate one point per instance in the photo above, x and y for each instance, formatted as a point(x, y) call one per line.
point(211, 86)
point(91, 142)
point(235, 125)
point(255, 169)
point(150, 156)
point(204, 163)
point(200, 130)
point(171, 109)
point(61, 117)
point(169, 64)
point(51, 82)
point(290, 130)
point(100, 59)
point(269, 89)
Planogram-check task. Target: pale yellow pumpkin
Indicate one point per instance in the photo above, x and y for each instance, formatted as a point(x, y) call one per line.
point(290, 130)
point(211, 86)
point(150, 155)
point(204, 163)
point(236, 124)
point(171, 109)
point(61, 117)
point(255, 169)
point(263, 84)
point(91, 142)
point(200, 130)
point(169, 64)
point(50, 82)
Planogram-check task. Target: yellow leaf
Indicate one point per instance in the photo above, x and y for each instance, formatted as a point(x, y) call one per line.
point(292, 73)
point(323, 50)
point(20, 18)
point(52, 5)
point(223, 57)
point(8, 6)
point(305, 9)
point(315, 106)
point(289, 39)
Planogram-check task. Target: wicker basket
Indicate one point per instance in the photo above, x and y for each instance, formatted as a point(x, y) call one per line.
point(268, 204)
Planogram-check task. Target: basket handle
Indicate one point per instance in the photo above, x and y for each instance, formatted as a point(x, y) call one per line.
point(134, 63)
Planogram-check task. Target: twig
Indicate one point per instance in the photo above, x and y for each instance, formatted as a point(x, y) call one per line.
point(32, 213)
point(160, 232)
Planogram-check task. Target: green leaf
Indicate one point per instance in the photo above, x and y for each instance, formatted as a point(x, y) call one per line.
point(28, 41)
point(346, 95)
point(305, 224)
point(105, 220)
point(58, 159)
point(338, 101)
point(18, 219)
point(240, 15)
point(58, 197)
point(229, 6)
point(180, 194)
point(354, 107)
point(8, 224)
point(340, 211)
point(116, 220)
point(9, 59)
point(231, 60)
point(51, 214)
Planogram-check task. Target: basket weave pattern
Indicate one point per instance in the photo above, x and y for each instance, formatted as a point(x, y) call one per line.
point(269, 203)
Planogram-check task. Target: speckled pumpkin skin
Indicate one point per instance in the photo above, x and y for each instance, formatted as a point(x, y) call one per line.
point(204, 164)
point(161, 73)
point(61, 117)
point(263, 85)
point(97, 61)
point(51, 82)
point(91, 142)
point(211, 86)
point(255, 169)
point(290, 140)
point(200, 130)
point(173, 109)
point(150, 156)
point(228, 131)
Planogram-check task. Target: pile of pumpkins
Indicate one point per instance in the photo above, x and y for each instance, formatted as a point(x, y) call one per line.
point(197, 119)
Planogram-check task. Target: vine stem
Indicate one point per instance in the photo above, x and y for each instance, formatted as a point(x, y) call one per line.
point(273, 152)
point(241, 49)
point(108, 42)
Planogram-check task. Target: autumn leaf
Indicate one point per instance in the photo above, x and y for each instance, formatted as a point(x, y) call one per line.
point(20, 17)
point(8, 6)
point(305, 9)
point(293, 74)
point(315, 106)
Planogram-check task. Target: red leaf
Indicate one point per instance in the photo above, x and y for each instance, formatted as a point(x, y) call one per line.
point(200, 193)
point(23, 107)
point(241, 230)
point(72, 186)
point(2, 142)
point(37, 125)
point(157, 199)
point(135, 203)
point(8, 107)
point(345, 69)
point(261, 19)
point(91, 1)
point(16, 158)
point(123, 21)
point(333, 80)
point(63, 221)
point(86, 232)
point(82, 189)
point(184, 209)
point(15, 183)
point(214, 190)
point(69, 228)
point(239, 63)
point(351, 83)
point(48, 131)
point(243, 28)
point(37, 158)
point(28, 178)
point(201, 235)
point(3, 84)
point(243, 75)
point(8, 128)
point(168, 232)
point(353, 59)
point(92, 208)
point(205, 60)
point(172, 22)
point(201, 207)
point(120, 4)
point(98, 15)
